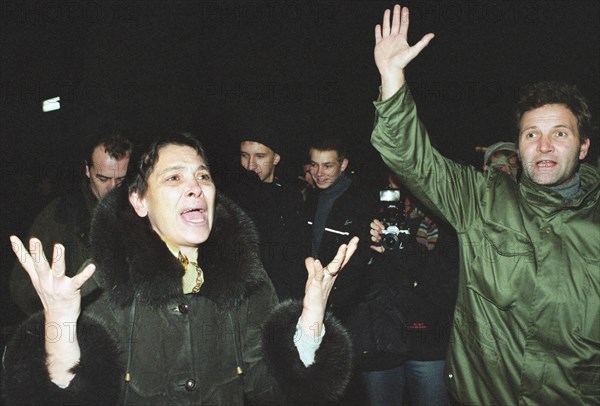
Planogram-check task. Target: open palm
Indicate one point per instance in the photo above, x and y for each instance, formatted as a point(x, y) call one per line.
point(392, 52)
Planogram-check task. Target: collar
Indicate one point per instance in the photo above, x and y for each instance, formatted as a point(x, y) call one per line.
point(177, 252)
point(133, 261)
point(341, 184)
point(544, 196)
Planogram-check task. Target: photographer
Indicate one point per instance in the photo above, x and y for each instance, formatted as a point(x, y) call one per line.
point(419, 262)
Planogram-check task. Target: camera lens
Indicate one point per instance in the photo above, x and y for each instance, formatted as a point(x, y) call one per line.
point(390, 242)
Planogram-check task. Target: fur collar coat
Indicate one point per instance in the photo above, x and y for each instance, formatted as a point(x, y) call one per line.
point(144, 342)
point(133, 261)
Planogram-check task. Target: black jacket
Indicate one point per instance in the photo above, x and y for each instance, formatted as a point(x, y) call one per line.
point(277, 212)
point(351, 214)
point(229, 344)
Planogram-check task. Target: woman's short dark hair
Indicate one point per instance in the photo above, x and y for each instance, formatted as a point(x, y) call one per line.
point(149, 158)
point(540, 94)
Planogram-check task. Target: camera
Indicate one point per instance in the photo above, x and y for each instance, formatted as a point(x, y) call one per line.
point(392, 209)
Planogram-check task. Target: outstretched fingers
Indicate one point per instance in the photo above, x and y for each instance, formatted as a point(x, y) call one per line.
point(399, 23)
point(24, 257)
point(385, 25)
point(58, 260)
point(401, 20)
point(55, 289)
point(419, 46)
point(397, 26)
point(350, 250)
point(79, 279)
point(309, 263)
point(344, 253)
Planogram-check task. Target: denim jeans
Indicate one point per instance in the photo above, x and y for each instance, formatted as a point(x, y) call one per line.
point(423, 379)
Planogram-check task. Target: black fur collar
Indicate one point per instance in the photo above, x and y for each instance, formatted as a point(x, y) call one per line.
point(131, 259)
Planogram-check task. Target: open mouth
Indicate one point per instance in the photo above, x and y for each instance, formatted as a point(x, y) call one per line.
point(194, 215)
point(545, 164)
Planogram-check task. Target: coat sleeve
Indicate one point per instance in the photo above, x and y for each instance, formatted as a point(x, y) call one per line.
point(320, 383)
point(446, 187)
point(25, 378)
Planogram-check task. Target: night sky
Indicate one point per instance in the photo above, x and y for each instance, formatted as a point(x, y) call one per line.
point(299, 69)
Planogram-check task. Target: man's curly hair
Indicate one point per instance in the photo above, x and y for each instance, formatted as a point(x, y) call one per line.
point(542, 93)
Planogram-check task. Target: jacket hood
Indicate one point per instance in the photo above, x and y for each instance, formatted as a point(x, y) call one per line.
point(132, 260)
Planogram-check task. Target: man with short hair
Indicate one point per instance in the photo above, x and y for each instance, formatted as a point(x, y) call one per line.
point(106, 166)
point(260, 159)
point(274, 207)
point(336, 210)
point(502, 156)
point(67, 218)
point(525, 325)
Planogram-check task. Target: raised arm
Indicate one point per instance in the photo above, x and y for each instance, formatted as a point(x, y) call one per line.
point(61, 298)
point(392, 52)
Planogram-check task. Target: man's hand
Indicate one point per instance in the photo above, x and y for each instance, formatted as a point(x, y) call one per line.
point(376, 229)
point(392, 52)
point(318, 286)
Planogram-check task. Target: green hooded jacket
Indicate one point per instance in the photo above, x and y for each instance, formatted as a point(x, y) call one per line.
point(527, 320)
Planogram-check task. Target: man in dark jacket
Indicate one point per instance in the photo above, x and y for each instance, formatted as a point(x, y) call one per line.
point(525, 327)
point(335, 211)
point(67, 218)
point(275, 209)
point(178, 309)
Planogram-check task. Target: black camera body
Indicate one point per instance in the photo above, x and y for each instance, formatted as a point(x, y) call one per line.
point(392, 208)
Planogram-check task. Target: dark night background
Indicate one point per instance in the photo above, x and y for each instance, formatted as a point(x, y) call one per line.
point(306, 68)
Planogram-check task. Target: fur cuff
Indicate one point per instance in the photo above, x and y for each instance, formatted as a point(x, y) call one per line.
point(322, 382)
point(26, 379)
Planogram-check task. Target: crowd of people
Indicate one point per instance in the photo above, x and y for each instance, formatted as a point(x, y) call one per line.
point(151, 284)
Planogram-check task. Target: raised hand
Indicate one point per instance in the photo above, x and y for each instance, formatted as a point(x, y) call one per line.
point(59, 294)
point(61, 298)
point(392, 52)
point(318, 286)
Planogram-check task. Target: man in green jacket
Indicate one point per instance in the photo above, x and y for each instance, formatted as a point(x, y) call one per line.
point(526, 325)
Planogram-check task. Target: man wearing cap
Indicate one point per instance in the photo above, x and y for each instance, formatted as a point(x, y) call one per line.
point(502, 156)
point(274, 208)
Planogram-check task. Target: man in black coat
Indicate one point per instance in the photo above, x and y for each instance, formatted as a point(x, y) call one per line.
point(274, 207)
point(335, 211)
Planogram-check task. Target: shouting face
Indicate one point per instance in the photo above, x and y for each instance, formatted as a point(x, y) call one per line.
point(180, 198)
point(550, 145)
